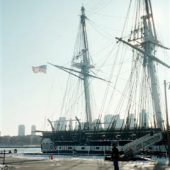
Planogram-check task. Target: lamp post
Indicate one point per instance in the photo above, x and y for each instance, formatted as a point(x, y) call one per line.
point(167, 122)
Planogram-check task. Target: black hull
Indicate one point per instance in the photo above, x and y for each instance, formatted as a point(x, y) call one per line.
point(98, 142)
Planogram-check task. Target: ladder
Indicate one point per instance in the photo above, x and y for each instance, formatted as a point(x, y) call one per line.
point(135, 146)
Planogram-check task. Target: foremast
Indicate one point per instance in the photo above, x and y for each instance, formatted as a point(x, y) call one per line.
point(82, 62)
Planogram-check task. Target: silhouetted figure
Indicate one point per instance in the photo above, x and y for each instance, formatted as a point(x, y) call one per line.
point(15, 151)
point(115, 157)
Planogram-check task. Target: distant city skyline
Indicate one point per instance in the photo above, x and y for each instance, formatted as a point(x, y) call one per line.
point(35, 32)
point(22, 130)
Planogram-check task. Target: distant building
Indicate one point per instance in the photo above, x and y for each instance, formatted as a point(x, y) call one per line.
point(63, 123)
point(131, 121)
point(82, 125)
point(96, 124)
point(112, 120)
point(60, 124)
point(70, 125)
point(120, 124)
point(21, 130)
point(107, 120)
point(77, 126)
point(57, 125)
point(143, 119)
point(33, 130)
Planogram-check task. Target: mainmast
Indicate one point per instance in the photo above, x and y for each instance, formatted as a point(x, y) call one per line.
point(143, 40)
point(82, 62)
point(149, 41)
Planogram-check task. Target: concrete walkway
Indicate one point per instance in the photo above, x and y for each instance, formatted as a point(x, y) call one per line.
point(78, 164)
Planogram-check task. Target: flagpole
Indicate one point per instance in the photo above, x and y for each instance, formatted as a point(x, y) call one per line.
point(167, 121)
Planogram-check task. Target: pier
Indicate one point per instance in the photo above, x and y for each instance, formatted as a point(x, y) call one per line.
point(76, 164)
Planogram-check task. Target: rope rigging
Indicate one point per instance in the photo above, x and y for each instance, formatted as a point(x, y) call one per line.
point(140, 84)
point(137, 94)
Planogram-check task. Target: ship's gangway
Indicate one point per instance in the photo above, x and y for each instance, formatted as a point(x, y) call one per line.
point(137, 145)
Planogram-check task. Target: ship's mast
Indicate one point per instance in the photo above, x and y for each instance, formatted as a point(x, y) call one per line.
point(144, 40)
point(149, 41)
point(84, 66)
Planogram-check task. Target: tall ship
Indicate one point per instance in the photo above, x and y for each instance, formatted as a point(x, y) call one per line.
point(142, 127)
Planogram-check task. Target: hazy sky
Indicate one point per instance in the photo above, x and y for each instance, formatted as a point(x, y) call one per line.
point(37, 31)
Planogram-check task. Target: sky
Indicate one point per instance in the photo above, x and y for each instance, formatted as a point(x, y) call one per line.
point(34, 32)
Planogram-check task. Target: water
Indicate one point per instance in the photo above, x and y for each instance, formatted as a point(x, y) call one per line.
point(29, 153)
point(22, 150)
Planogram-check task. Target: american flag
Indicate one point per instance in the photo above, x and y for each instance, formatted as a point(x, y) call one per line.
point(42, 68)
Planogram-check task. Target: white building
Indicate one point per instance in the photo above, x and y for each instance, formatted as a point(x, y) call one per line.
point(57, 125)
point(107, 120)
point(96, 124)
point(21, 130)
point(70, 125)
point(131, 120)
point(60, 124)
point(33, 130)
point(143, 119)
point(120, 124)
point(114, 119)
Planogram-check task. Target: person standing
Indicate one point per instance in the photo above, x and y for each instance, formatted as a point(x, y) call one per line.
point(115, 157)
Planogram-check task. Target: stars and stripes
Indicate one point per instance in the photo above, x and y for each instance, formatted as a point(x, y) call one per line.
point(37, 69)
